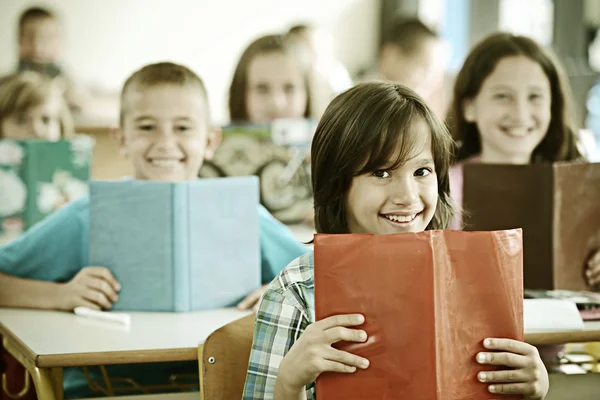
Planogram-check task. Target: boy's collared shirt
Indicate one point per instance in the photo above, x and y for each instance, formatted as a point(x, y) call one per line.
point(286, 309)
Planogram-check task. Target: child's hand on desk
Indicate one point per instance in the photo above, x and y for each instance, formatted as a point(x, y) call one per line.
point(251, 301)
point(527, 374)
point(92, 287)
point(592, 272)
point(313, 354)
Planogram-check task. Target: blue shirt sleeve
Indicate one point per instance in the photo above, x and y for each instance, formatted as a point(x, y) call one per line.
point(278, 246)
point(54, 249)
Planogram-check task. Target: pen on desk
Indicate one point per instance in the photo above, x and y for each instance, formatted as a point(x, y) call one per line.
point(119, 318)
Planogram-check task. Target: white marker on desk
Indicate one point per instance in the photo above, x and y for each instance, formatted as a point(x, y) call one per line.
point(119, 318)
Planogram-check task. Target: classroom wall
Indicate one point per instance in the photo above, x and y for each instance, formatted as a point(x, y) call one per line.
point(108, 39)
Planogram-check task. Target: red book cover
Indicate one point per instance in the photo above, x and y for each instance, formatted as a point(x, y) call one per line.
point(429, 300)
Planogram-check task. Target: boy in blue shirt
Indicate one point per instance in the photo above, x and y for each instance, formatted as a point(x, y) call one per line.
point(165, 131)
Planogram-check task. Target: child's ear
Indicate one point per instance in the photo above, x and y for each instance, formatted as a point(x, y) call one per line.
point(468, 109)
point(117, 135)
point(213, 141)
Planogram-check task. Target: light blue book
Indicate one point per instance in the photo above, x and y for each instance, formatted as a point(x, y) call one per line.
point(177, 246)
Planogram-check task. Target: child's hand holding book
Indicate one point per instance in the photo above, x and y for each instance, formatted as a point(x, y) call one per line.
point(93, 287)
point(527, 374)
point(313, 354)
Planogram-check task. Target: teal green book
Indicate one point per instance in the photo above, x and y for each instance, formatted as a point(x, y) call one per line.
point(37, 178)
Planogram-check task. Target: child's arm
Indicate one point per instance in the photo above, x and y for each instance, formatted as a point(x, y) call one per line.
point(92, 287)
point(288, 354)
point(313, 354)
point(278, 247)
point(592, 272)
point(527, 374)
point(55, 250)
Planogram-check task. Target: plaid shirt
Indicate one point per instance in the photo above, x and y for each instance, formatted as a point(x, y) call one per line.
point(286, 309)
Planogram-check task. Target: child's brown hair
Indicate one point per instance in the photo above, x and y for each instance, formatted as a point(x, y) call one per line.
point(359, 132)
point(163, 73)
point(34, 13)
point(238, 110)
point(560, 142)
point(26, 90)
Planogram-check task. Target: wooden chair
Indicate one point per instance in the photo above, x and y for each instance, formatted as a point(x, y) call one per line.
point(223, 360)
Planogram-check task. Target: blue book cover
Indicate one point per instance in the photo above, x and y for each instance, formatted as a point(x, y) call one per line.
point(182, 246)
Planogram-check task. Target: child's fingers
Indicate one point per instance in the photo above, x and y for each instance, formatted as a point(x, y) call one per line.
point(88, 304)
point(506, 359)
point(593, 273)
point(511, 376)
point(509, 345)
point(98, 298)
point(340, 320)
point(101, 285)
point(334, 366)
point(594, 262)
point(347, 358)
point(341, 334)
point(528, 389)
point(104, 273)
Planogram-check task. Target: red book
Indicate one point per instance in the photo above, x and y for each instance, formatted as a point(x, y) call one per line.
point(429, 299)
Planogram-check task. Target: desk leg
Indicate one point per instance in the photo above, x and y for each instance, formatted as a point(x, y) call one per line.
point(47, 381)
point(44, 380)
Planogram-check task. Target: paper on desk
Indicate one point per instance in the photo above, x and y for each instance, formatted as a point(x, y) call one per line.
point(546, 315)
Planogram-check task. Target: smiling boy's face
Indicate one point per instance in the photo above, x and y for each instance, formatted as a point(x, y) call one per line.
point(166, 132)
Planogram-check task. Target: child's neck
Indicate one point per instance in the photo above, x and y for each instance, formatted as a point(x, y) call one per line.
point(493, 157)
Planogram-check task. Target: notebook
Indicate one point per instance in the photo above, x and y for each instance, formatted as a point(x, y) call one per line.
point(556, 205)
point(278, 154)
point(37, 178)
point(177, 246)
point(429, 300)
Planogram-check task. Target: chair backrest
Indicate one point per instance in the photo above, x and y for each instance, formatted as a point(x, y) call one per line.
point(224, 360)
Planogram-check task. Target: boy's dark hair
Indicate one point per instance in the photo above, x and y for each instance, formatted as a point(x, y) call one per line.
point(299, 29)
point(163, 73)
point(560, 142)
point(409, 34)
point(360, 132)
point(34, 13)
point(238, 110)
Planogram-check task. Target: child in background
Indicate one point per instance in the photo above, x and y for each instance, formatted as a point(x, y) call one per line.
point(378, 152)
point(512, 105)
point(166, 132)
point(40, 43)
point(329, 76)
point(415, 55)
point(33, 107)
point(271, 80)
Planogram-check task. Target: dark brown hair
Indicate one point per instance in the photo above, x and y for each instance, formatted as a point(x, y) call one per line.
point(559, 144)
point(238, 110)
point(34, 13)
point(360, 131)
point(409, 34)
point(164, 73)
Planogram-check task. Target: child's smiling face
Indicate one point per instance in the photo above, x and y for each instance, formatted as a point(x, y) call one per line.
point(276, 88)
point(397, 200)
point(166, 132)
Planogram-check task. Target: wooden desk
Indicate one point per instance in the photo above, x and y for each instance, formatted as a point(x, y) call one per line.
point(590, 333)
point(47, 341)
